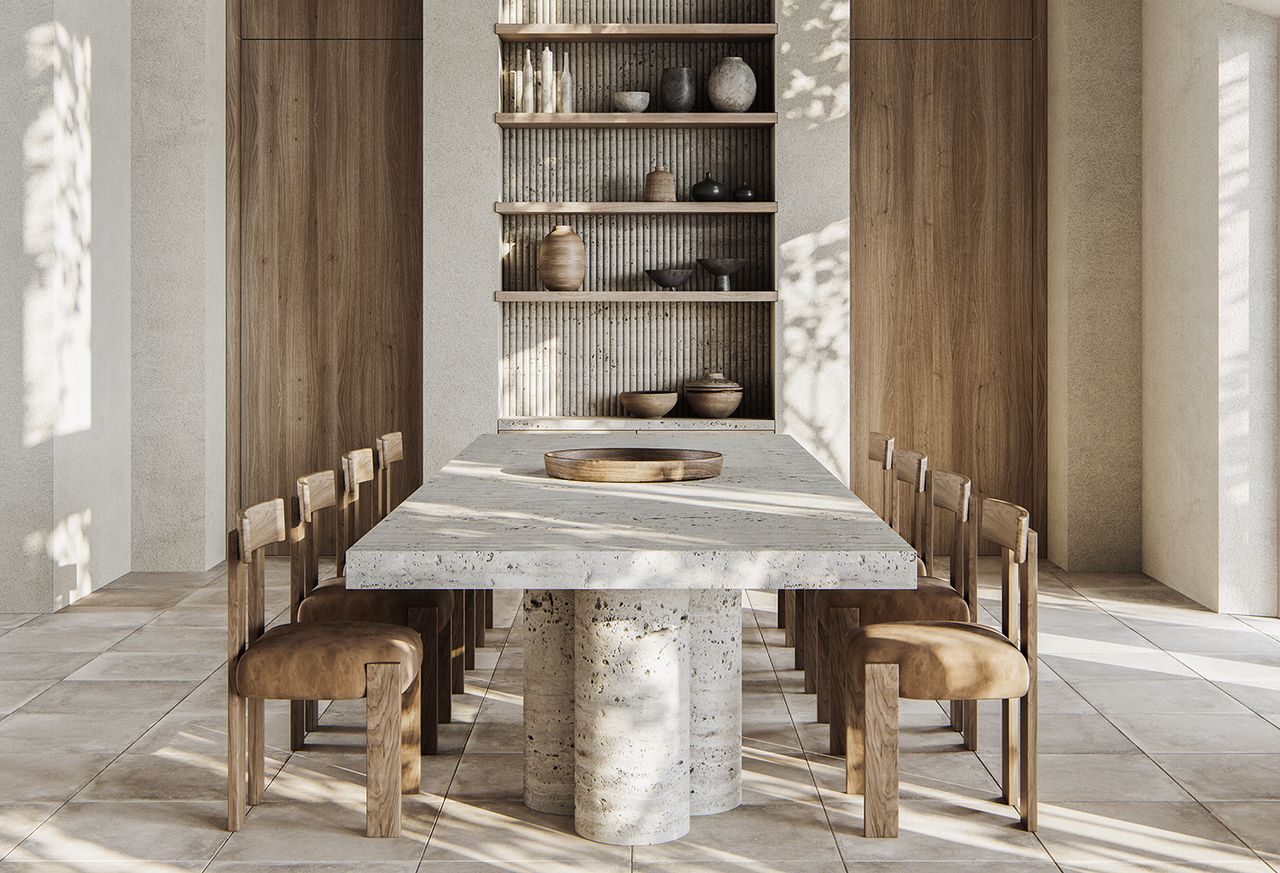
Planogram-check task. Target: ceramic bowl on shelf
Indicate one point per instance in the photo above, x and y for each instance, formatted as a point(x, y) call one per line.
point(722, 269)
point(713, 396)
point(648, 404)
point(631, 101)
point(669, 278)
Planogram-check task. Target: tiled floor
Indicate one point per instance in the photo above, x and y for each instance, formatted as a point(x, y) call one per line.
point(1160, 731)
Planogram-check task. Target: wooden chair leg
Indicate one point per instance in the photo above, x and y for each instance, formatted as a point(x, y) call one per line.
point(488, 608)
point(470, 630)
point(237, 760)
point(800, 617)
point(382, 752)
point(411, 738)
point(822, 659)
point(810, 642)
point(444, 675)
point(458, 636)
point(854, 704)
point(1010, 746)
point(880, 738)
point(297, 724)
point(789, 637)
point(782, 609)
point(841, 622)
point(479, 620)
point(312, 708)
point(957, 715)
point(257, 751)
point(426, 623)
point(970, 725)
point(1030, 742)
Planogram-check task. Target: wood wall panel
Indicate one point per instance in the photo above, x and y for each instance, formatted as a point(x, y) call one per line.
point(943, 19)
point(331, 19)
point(331, 267)
point(948, 317)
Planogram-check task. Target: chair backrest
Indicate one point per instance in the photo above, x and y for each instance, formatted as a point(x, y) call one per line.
point(317, 492)
point(880, 454)
point(1008, 526)
point(357, 470)
point(390, 452)
point(953, 493)
point(257, 527)
point(910, 469)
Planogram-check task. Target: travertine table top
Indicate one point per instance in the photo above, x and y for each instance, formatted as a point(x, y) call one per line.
point(492, 518)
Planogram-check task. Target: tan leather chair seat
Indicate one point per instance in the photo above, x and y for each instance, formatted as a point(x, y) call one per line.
point(942, 660)
point(933, 600)
point(334, 602)
point(325, 661)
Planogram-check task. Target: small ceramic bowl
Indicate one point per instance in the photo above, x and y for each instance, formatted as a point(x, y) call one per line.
point(631, 101)
point(669, 278)
point(648, 404)
point(714, 404)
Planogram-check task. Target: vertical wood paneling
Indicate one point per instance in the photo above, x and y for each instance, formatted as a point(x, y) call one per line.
point(331, 19)
point(943, 19)
point(575, 358)
point(948, 311)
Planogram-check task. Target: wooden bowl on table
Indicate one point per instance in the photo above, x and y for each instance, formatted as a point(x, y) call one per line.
point(633, 465)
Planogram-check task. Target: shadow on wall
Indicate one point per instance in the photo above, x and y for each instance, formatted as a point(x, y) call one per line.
point(1247, 348)
point(813, 158)
point(47, 315)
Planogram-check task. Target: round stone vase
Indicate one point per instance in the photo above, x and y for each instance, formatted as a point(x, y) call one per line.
point(732, 86)
point(562, 260)
point(678, 89)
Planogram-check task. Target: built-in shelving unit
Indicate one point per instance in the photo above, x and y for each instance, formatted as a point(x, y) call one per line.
point(634, 32)
point(636, 296)
point(640, 120)
point(632, 207)
point(566, 356)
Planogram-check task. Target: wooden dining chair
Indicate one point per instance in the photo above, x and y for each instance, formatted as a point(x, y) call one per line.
point(390, 451)
point(427, 612)
point(840, 613)
point(344, 660)
point(941, 660)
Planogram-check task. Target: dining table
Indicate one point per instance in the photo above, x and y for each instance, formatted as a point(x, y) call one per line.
point(632, 606)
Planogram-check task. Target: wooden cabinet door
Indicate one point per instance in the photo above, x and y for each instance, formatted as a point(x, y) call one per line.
point(331, 257)
point(948, 296)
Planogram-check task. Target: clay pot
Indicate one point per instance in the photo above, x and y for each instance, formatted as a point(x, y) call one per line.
point(660, 186)
point(562, 260)
point(732, 86)
point(707, 190)
point(678, 90)
point(713, 396)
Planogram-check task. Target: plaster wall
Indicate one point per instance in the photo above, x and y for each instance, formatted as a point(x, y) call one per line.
point(1209, 302)
point(179, 284)
point(1095, 284)
point(461, 272)
point(812, 179)
point(64, 300)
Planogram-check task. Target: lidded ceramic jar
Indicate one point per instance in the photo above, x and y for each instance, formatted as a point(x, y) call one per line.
point(713, 396)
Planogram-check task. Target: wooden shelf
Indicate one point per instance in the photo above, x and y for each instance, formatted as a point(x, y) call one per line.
point(636, 425)
point(641, 120)
point(684, 207)
point(635, 32)
point(636, 296)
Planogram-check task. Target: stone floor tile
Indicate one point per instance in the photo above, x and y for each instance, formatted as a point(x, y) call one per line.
point(1257, 822)
point(175, 775)
point(47, 638)
point(1100, 778)
point(127, 831)
point(17, 692)
point(76, 696)
point(53, 776)
point(934, 831)
point(303, 832)
point(146, 666)
point(1217, 733)
point(503, 831)
point(1110, 667)
point(1063, 733)
point(1137, 833)
point(1223, 777)
point(33, 733)
point(769, 832)
point(1158, 695)
point(18, 820)
point(42, 665)
point(488, 776)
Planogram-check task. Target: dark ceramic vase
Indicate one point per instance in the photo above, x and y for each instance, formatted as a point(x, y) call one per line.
point(678, 89)
point(744, 195)
point(707, 190)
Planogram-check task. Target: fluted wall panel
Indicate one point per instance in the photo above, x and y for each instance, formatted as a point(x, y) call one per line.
point(600, 68)
point(573, 359)
point(634, 11)
point(621, 247)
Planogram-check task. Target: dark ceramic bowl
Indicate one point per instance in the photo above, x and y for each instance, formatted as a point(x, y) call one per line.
point(669, 278)
point(722, 266)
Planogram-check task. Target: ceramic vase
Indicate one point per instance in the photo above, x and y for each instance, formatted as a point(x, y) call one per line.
point(744, 195)
point(708, 190)
point(660, 186)
point(564, 96)
point(528, 90)
point(732, 86)
point(562, 260)
point(678, 89)
point(548, 81)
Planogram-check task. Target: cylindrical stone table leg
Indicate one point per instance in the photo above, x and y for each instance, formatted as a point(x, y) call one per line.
point(632, 712)
point(715, 701)
point(548, 701)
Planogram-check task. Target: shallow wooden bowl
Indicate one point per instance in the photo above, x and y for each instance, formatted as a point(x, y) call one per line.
point(633, 465)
